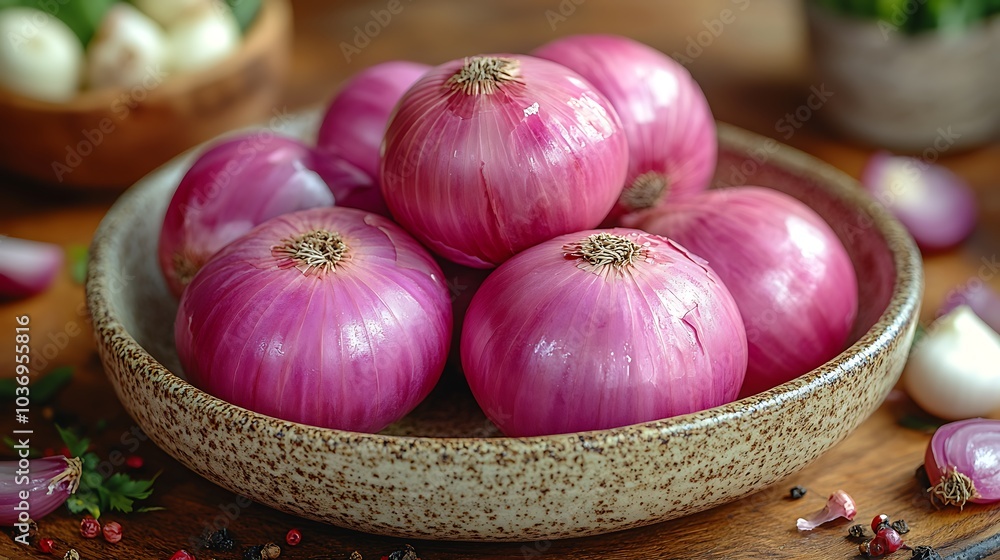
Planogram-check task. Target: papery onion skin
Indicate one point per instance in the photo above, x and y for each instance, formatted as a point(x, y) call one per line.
point(936, 206)
point(549, 347)
point(27, 267)
point(356, 118)
point(970, 447)
point(786, 268)
point(354, 347)
point(668, 122)
point(232, 187)
point(49, 481)
point(480, 177)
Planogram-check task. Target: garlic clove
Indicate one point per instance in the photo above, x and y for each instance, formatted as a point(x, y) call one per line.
point(952, 371)
point(203, 37)
point(40, 57)
point(128, 47)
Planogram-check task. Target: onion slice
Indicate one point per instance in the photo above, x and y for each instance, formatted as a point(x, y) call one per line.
point(936, 206)
point(963, 462)
point(27, 267)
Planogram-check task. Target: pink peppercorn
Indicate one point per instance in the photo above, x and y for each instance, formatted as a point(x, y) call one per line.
point(182, 555)
point(112, 532)
point(89, 527)
point(47, 546)
point(293, 537)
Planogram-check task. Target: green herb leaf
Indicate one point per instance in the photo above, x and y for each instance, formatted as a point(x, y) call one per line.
point(148, 509)
point(84, 503)
point(76, 445)
point(46, 388)
point(78, 255)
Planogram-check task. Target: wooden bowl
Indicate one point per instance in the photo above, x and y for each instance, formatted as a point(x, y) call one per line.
point(444, 472)
point(110, 138)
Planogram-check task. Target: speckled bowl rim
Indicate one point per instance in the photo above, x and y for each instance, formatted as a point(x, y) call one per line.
point(901, 310)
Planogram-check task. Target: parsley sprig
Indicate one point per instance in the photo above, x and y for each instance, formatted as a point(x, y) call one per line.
point(98, 493)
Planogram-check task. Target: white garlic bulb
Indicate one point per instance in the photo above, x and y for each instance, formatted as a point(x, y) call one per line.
point(127, 48)
point(40, 56)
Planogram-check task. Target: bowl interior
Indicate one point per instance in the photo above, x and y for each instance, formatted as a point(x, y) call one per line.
point(146, 309)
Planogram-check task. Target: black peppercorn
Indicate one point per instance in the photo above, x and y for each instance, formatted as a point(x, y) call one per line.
point(857, 531)
point(925, 553)
point(797, 492)
point(252, 552)
point(405, 553)
point(220, 541)
point(900, 526)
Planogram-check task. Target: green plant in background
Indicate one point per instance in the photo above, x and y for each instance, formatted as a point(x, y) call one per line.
point(915, 16)
point(245, 11)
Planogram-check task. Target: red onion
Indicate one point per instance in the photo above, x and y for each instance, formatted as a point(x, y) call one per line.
point(789, 273)
point(27, 267)
point(963, 462)
point(599, 329)
point(493, 154)
point(981, 298)
point(669, 125)
point(935, 205)
point(355, 120)
point(236, 185)
point(49, 481)
point(331, 317)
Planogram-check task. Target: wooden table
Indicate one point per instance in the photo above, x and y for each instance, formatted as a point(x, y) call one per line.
point(754, 72)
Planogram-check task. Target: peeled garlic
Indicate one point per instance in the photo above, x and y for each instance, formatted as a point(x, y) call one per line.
point(128, 47)
point(203, 37)
point(954, 370)
point(167, 12)
point(40, 56)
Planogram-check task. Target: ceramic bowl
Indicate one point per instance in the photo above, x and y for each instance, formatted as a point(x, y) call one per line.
point(444, 472)
point(110, 138)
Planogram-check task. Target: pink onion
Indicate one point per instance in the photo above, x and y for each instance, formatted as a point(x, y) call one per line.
point(599, 329)
point(981, 298)
point(936, 206)
point(331, 317)
point(355, 120)
point(669, 125)
point(789, 273)
point(238, 184)
point(493, 154)
point(963, 462)
point(49, 481)
point(27, 267)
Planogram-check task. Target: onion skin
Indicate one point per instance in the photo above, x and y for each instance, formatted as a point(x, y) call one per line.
point(232, 187)
point(27, 267)
point(354, 347)
point(61, 473)
point(936, 206)
point(667, 120)
point(479, 177)
point(969, 447)
point(789, 273)
point(549, 347)
point(355, 120)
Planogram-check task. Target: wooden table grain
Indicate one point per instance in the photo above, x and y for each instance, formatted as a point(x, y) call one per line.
point(755, 69)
